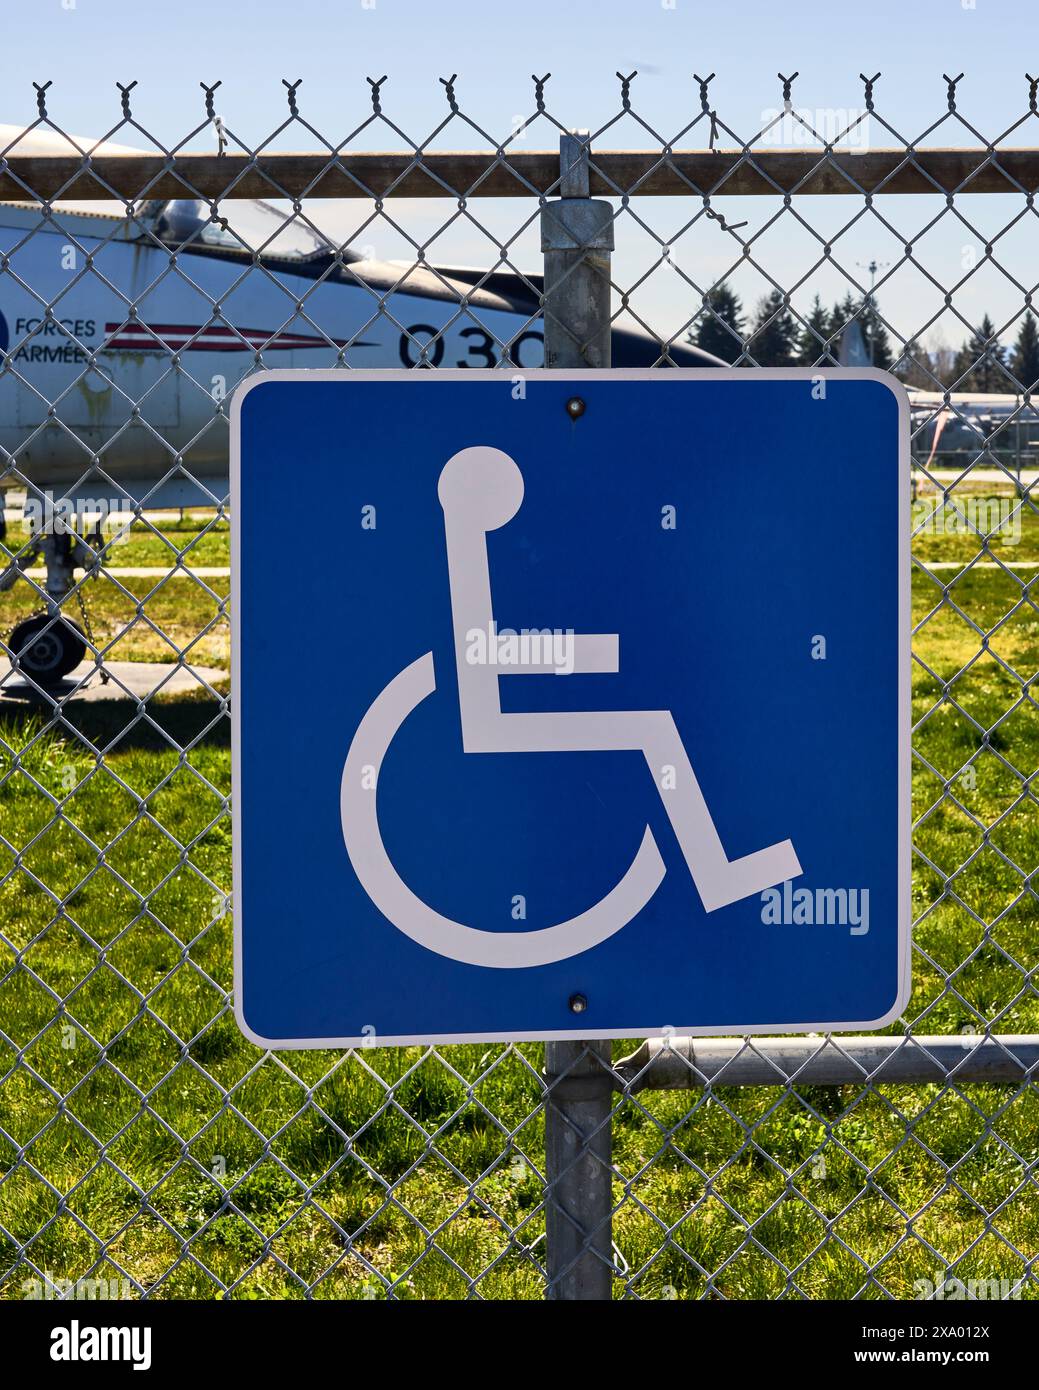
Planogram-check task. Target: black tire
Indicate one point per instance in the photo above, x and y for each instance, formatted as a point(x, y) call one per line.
point(47, 648)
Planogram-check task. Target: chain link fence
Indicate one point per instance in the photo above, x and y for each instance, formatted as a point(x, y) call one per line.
point(147, 1149)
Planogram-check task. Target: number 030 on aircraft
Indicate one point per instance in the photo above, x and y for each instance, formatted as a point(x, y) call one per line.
point(692, 813)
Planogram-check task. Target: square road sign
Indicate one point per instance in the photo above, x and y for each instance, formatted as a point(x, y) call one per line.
point(581, 707)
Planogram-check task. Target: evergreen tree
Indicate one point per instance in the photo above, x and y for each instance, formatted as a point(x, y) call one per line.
point(979, 363)
point(773, 338)
point(843, 313)
point(878, 344)
point(722, 304)
point(1024, 360)
point(915, 367)
point(811, 340)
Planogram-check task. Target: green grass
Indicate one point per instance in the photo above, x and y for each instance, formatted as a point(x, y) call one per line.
point(143, 619)
point(743, 1183)
point(957, 526)
point(137, 618)
point(199, 538)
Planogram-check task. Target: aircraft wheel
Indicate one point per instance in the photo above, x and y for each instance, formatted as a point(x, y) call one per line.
point(47, 648)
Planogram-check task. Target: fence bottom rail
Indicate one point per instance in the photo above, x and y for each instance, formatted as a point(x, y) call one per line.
point(681, 1063)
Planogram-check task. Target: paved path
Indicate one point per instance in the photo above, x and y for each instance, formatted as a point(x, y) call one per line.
point(978, 565)
point(1029, 477)
point(130, 680)
point(158, 571)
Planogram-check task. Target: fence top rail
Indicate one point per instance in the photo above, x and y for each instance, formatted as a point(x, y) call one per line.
point(516, 173)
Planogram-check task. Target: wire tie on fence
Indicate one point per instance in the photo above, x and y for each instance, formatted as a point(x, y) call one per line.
point(725, 226)
point(125, 93)
point(705, 106)
point(218, 124)
point(41, 98)
point(375, 84)
point(626, 88)
point(291, 87)
point(1033, 84)
point(539, 89)
point(869, 88)
point(952, 81)
point(787, 83)
point(209, 97)
point(448, 83)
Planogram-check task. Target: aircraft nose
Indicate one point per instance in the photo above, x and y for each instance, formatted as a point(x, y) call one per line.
point(481, 487)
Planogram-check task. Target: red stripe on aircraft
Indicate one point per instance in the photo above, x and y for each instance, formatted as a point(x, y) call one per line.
point(160, 337)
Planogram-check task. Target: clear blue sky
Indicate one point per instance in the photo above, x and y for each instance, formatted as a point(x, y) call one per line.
point(86, 46)
point(494, 47)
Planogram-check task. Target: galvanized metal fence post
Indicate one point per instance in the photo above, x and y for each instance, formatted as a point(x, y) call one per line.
point(577, 238)
point(578, 1170)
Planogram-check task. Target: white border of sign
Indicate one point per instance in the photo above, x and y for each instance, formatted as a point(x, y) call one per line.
point(422, 380)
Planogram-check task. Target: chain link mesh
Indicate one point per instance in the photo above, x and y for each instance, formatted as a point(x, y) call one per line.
point(146, 1149)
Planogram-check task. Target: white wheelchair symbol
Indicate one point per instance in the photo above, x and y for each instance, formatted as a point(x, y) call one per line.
point(481, 489)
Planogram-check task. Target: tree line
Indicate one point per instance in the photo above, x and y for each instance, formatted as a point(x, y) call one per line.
point(775, 338)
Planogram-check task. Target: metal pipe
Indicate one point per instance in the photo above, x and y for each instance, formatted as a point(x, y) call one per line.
point(577, 238)
point(676, 1064)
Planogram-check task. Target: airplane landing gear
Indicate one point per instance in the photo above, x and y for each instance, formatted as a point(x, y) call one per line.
point(49, 645)
point(48, 648)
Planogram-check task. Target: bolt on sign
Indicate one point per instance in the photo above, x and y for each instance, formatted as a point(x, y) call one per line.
point(589, 718)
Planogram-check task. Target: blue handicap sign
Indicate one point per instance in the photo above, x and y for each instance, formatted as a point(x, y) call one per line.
point(583, 710)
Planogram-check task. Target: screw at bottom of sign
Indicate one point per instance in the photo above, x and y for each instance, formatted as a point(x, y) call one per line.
point(575, 407)
point(578, 1003)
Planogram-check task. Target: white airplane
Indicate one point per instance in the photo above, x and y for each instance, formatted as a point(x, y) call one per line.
point(121, 339)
